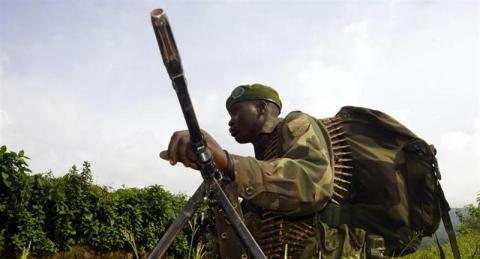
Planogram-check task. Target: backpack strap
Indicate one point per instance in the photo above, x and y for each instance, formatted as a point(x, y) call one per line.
point(444, 209)
point(440, 249)
point(447, 222)
point(336, 215)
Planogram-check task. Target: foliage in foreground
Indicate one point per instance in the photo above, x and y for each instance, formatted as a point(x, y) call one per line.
point(41, 215)
point(468, 233)
point(469, 245)
point(49, 214)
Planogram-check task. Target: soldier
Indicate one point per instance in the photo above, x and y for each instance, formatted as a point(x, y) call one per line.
point(288, 183)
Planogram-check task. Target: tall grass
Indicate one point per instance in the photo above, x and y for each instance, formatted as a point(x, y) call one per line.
point(197, 252)
point(469, 245)
point(25, 251)
point(131, 240)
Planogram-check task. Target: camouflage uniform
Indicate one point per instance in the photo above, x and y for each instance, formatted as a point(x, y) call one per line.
point(284, 189)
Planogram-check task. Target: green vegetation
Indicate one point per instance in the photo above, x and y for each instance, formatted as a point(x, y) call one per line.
point(469, 245)
point(70, 217)
point(131, 240)
point(196, 248)
point(468, 235)
point(25, 252)
point(41, 214)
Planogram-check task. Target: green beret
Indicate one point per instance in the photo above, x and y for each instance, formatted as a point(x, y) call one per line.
point(253, 92)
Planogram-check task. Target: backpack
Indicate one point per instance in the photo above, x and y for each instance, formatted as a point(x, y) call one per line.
point(394, 190)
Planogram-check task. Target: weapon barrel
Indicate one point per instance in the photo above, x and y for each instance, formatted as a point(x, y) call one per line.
point(166, 42)
point(172, 61)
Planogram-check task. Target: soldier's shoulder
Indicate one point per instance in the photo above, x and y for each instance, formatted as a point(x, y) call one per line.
point(298, 122)
point(296, 114)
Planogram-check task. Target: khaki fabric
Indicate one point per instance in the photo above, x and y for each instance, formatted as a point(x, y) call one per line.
point(326, 242)
point(341, 242)
point(393, 192)
point(292, 185)
point(392, 183)
point(300, 180)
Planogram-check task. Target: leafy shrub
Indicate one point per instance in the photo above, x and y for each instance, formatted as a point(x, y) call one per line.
point(470, 219)
point(54, 214)
point(468, 237)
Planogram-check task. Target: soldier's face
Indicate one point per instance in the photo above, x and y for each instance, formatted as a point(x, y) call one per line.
point(246, 121)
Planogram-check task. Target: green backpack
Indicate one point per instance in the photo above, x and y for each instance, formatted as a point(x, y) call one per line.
point(394, 189)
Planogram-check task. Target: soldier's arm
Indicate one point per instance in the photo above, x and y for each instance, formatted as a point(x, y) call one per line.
point(301, 182)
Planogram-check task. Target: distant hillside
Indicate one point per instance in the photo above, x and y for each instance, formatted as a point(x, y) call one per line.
point(441, 232)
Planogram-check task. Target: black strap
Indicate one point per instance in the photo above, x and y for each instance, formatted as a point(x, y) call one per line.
point(447, 222)
point(336, 215)
point(444, 209)
point(440, 249)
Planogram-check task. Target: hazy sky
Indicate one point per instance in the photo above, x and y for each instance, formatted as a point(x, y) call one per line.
point(84, 80)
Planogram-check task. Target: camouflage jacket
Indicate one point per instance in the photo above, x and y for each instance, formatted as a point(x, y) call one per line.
point(355, 171)
point(283, 190)
point(292, 176)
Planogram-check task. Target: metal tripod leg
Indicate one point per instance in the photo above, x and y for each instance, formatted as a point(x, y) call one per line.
point(223, 201)
point(177, 225)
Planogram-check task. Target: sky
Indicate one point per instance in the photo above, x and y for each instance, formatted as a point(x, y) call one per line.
point(84, 80)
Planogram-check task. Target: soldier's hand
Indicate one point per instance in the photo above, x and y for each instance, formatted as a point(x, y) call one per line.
point(180, 150)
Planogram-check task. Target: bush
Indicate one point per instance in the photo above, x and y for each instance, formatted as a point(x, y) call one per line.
point(468, 237)
point(470, 219)
point(54, 214)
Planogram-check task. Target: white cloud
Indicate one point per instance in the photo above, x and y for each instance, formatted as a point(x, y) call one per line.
point(329, 73)
point(102, 94)
point(4, 121)
point(402, 115)
point(459, 160)
point(358, 29)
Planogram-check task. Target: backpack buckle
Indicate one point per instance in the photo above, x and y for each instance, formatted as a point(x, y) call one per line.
point(376, 247)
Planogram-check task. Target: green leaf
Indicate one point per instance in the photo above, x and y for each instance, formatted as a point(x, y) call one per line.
point(5, 177)
point(3, 149)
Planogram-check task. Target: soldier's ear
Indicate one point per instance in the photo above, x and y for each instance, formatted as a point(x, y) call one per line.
point(262, 107)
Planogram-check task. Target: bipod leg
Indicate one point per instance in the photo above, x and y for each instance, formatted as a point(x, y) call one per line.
point(177, 225)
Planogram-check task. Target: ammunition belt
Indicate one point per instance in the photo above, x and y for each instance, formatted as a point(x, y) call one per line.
point(278, 235)
point(343, 162)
